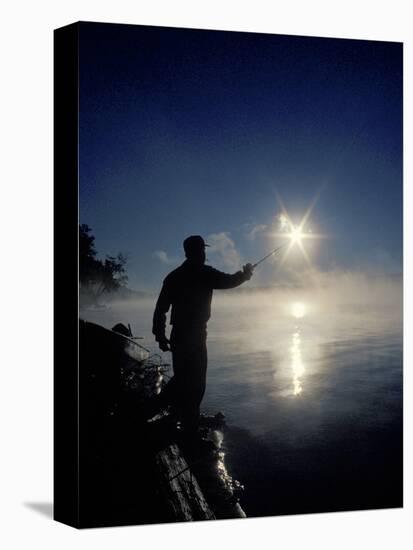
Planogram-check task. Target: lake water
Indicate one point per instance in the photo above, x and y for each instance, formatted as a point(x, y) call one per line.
point(312, 394)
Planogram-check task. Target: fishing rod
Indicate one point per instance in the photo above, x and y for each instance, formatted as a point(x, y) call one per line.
point(268, 255)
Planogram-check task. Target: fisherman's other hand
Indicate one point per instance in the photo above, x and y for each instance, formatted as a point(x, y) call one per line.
point(248, 270)
point(164, 344)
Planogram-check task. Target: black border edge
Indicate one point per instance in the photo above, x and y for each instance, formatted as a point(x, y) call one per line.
point(65, 247)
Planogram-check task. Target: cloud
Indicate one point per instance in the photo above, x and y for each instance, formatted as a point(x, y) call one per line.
point(163, 257)
point(255, 230)
point(224, 251)
point(283, 223)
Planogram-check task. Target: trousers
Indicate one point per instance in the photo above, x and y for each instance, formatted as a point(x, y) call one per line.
point(185, 390)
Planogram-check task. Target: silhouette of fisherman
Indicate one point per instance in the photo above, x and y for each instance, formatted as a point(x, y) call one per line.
point(188, 290)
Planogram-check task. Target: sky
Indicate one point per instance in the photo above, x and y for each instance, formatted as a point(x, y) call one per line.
point(220, 134)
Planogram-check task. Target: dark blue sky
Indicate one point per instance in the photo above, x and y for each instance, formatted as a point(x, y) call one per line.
point(197, 132)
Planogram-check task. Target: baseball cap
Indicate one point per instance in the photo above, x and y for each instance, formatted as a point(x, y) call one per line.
point(194, 242)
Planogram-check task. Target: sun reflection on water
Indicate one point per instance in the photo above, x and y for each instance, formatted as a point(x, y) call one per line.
point(297, 363)
point(298, 310)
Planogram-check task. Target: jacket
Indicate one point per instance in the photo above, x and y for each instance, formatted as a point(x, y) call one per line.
point(188, 290)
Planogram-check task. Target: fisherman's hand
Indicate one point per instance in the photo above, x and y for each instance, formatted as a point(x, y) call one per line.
point(248, 270)
point(164, 344)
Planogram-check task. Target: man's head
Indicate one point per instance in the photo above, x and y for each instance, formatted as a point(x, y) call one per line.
point(194, 247)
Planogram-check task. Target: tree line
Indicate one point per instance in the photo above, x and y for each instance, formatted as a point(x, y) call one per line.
point(98, 276)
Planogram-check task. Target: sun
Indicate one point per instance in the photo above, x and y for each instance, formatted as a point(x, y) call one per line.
point(296, 233)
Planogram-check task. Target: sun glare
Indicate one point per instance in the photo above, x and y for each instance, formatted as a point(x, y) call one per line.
point(297, 363)
point(296, 235)
point(298, 310)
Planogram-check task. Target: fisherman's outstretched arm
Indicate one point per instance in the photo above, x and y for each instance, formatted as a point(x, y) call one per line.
point(159, 317)
point(221, 280)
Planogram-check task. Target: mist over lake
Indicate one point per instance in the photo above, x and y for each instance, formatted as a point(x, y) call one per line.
point(310, 382)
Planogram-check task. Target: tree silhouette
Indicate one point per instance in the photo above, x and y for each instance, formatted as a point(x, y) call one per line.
point(97, 276)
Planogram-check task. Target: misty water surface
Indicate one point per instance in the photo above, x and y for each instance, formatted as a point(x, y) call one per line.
point(311, 386)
